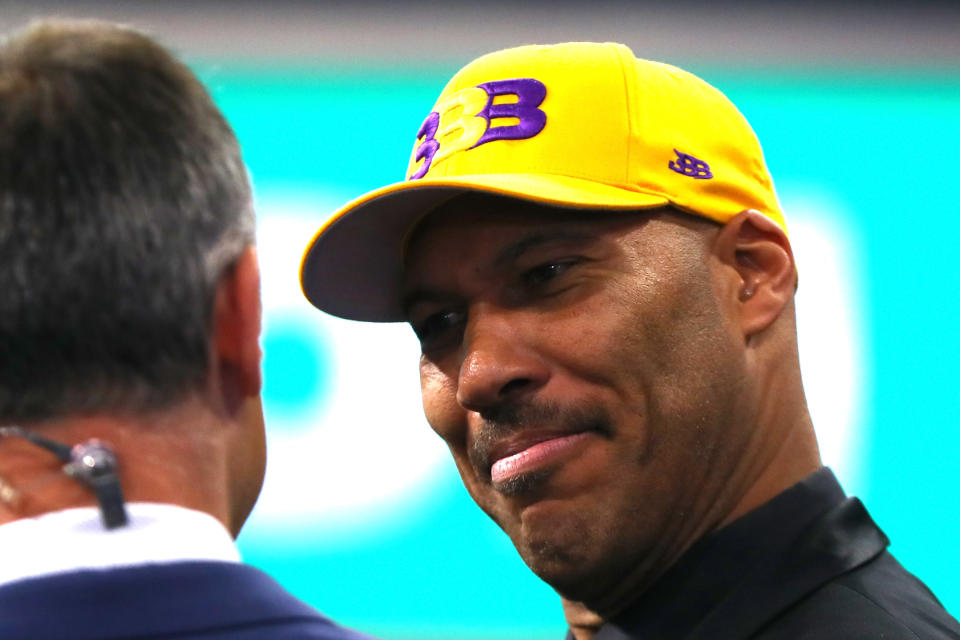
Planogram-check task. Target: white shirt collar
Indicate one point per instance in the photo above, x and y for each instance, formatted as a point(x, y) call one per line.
point(75, 539)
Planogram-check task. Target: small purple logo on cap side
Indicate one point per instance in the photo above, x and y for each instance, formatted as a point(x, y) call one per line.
point(465, 120)
point(688, 165)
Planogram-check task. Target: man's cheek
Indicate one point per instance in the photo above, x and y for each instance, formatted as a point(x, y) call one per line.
point(446, 417)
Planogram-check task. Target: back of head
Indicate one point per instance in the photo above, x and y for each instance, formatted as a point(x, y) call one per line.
point(123, 199)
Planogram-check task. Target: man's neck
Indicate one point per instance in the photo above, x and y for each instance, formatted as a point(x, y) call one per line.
point(583, 623)
point(167, 457)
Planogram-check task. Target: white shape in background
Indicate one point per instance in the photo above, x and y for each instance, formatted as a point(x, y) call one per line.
point(830, 331)
point(370, 447)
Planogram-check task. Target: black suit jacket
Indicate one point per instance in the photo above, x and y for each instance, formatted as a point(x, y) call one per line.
point(808, 565)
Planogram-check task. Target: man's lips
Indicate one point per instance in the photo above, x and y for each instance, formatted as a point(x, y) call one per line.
point(533, 452)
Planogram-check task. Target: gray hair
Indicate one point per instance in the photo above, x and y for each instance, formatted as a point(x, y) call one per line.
point(123, 202)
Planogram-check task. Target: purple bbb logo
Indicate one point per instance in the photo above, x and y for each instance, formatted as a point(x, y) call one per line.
point(464, 120)
point(687, 165)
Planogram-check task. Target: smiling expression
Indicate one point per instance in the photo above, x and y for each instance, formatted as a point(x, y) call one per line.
point(584, 374)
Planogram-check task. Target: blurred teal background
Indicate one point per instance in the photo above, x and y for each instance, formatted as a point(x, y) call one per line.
point(858, 109)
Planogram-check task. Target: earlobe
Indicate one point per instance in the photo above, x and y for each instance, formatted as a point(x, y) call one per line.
point(237, 324)
point(761, 263)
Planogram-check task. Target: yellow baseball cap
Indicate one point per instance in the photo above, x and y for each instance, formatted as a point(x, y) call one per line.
point(582, 125)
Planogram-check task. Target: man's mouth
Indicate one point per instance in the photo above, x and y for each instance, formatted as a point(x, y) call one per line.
point(519, 447)
point(532, 453)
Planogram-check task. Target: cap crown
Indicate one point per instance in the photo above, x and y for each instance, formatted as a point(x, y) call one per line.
point(594, 112)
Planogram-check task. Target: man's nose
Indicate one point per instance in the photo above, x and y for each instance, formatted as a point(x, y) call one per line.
point(500, 363)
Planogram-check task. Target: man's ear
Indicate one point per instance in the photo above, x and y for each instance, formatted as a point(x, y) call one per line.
point(759, 253)
point(236, 334)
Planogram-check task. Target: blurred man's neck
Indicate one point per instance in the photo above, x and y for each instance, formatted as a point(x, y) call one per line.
point(175, 456)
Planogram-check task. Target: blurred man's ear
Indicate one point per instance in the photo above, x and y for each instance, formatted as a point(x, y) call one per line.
point(762, 268)
point(247, 462)
point(236, 336)
point(237, 357)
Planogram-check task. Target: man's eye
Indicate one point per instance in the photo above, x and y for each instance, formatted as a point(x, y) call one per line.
point(437, 327)
point(544, 273)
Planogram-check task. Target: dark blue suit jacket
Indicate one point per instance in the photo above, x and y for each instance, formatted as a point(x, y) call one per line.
point(197, 600)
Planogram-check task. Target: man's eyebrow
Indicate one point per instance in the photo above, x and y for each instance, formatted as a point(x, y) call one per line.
point(516, 249)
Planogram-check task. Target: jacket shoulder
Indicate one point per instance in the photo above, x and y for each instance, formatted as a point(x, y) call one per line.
point(880, 599)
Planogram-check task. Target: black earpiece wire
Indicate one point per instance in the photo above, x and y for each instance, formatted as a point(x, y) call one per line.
point(93, 463)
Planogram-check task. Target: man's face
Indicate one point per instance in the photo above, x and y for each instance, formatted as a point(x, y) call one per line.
point(582, 371)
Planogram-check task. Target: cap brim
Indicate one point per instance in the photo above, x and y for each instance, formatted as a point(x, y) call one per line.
point(353, 266)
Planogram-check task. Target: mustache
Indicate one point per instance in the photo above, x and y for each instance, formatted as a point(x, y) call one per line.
point(501, 422)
